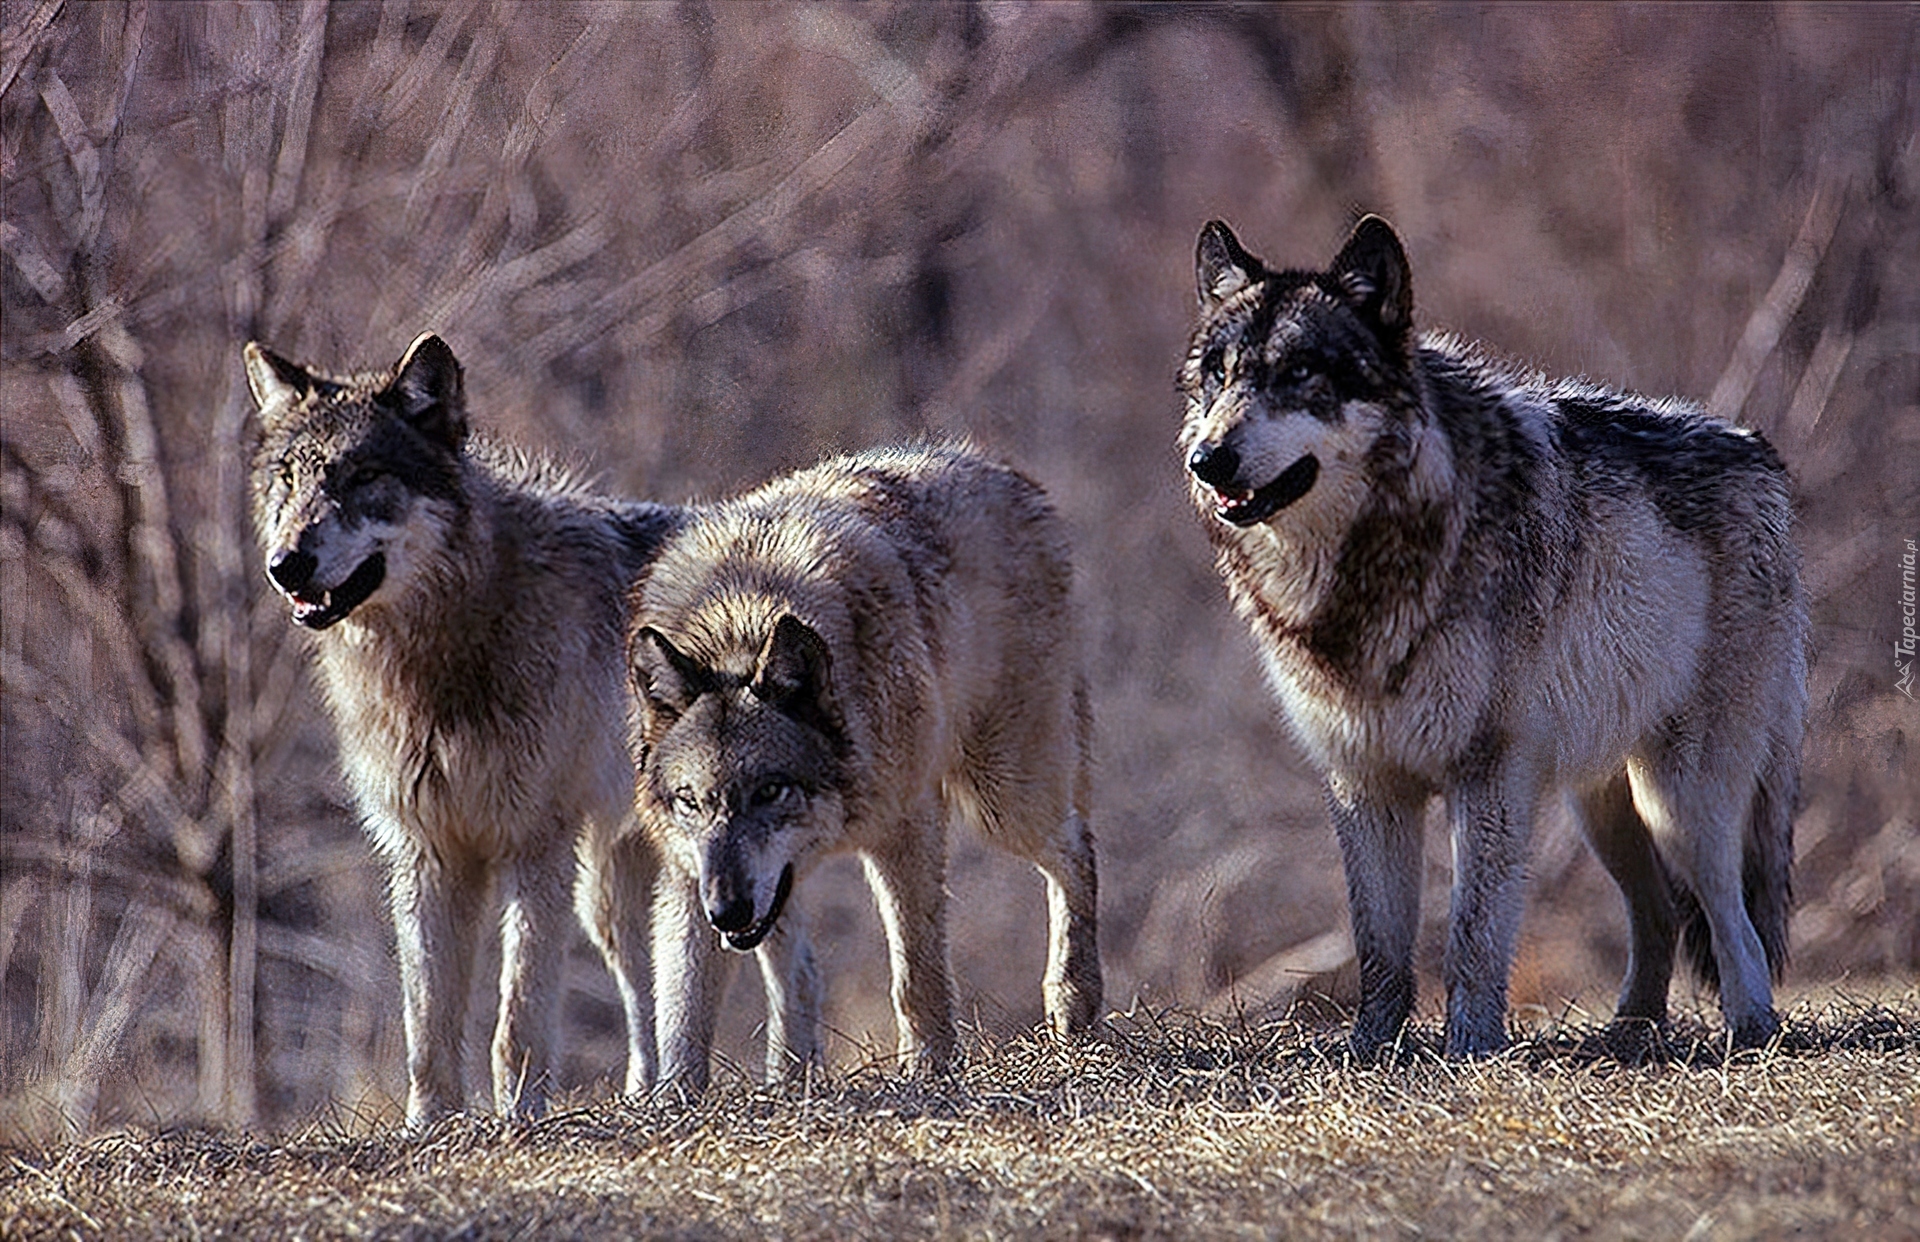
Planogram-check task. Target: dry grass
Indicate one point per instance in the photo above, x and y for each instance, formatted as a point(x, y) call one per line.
point(1170, 1124)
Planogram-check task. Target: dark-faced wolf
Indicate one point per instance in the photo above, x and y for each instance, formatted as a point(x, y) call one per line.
point(468, 605)
point(839, 661)
point(1470, 581)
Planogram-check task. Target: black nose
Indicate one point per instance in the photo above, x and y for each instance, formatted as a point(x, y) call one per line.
point(735, 915)
point(1216, 465)
point(293, 569)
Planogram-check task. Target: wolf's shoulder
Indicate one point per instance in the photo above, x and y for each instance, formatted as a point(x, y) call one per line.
point(557, 506)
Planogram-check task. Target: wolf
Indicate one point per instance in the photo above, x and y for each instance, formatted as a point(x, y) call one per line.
point(1470, 581)
point(468, 611)
point(839, 661)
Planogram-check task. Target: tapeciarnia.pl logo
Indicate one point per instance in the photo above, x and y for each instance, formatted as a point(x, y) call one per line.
point(1903, 647)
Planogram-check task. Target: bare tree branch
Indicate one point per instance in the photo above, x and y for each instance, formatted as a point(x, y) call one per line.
point(22, 41)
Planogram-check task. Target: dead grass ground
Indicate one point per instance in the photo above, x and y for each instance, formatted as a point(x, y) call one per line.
point(1169, 1125)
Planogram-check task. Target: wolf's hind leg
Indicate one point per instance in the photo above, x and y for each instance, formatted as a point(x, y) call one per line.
point(1071, 987)
point(1379, 831)
point(1625, 848)
point(908, 878)
point(792, 981)
point(1699, 825)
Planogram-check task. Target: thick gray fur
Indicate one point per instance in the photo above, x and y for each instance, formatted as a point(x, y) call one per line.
point(1479, 583)
point(468, 609)
point(840, 661)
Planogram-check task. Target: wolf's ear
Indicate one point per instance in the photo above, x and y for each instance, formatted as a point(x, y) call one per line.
point(1372, 272)
point(667, 681)
point(427, 391)
point(272, 378)
point(795, 674)
point(1222, 266)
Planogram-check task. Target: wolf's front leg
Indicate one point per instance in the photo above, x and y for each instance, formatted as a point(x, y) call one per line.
point(534, 908)
point(1492, 823)
point(438, 905)
point(792, 981)
point(1378, 823)
point(908, 878)
point(689, 975)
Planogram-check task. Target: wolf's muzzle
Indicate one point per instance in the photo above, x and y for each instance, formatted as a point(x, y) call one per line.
point(744, 939)
point(319, 608)
point(1244, 508)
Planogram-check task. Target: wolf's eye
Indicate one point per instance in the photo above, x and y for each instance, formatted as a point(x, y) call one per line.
point(365, 476)
point(285, 475)
point(1213, 364)
point(772, 792)
point(684, 800)
point(1299, 373)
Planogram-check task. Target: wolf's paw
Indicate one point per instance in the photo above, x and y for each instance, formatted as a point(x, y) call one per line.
point(1756, 1031)
point(1630, 1040)
point(1372, 1043)
point(1466, 1043)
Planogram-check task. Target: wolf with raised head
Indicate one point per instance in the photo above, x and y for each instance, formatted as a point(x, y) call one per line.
point(467, 604)
point(840, 661)
point(1474, 582)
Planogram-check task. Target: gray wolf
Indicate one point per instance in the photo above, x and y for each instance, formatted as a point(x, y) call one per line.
point(468, 613)
point(840, 661)
point(1478, 583)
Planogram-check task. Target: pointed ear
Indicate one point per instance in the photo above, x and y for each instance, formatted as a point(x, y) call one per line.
point(1372, 272)
point(795, 674)
point(272, 378)
point(426, 391)
point(667, 681)
point(1222, 266)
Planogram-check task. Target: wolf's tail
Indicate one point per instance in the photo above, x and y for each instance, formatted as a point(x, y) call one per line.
point(1766, 866)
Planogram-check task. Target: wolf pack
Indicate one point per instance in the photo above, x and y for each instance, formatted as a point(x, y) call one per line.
point(1465, 581)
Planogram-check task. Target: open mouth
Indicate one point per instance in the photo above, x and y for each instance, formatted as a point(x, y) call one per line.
point(318, 610)
point(1246, 508)
point(750, 938)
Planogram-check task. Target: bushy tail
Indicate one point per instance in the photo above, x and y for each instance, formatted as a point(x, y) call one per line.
point(1765, 872)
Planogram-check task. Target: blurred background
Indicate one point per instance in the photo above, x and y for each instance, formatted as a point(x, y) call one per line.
point(694, 245)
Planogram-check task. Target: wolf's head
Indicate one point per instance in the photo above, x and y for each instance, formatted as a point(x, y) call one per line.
point(353, 478)
point(744, 770)
point(1291, 376)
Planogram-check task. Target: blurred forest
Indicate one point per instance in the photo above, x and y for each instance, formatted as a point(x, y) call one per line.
point(694, 245)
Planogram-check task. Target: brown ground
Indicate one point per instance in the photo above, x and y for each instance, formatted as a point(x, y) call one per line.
point(1170, 1125)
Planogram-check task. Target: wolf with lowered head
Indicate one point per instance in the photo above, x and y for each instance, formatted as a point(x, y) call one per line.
point(1482, 584)
point(839, 661)
point(467, 604)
